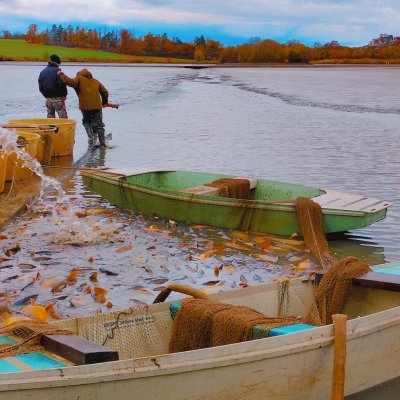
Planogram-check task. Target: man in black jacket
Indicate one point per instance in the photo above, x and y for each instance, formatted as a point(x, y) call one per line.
point(53, 89)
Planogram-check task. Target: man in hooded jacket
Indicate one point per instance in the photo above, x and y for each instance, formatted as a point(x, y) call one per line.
point(53, 89)
point(92, 97)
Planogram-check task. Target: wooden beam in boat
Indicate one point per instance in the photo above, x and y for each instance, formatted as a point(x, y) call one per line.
point(375, 280)
point(378, 280)
point(78, 350)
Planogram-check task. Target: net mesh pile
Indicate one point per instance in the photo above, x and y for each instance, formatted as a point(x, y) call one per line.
point(233, 188)
point(202, 323)
point(311, 224)
point(335, 286)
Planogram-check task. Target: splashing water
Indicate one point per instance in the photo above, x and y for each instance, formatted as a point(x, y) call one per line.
point(9, 144)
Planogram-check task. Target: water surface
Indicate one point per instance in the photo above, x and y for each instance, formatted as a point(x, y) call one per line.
point(334, 128)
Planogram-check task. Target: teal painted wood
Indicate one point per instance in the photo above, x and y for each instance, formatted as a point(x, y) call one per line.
point(6, 339)
point(39, 361)
point(393, 270)
point(285, 330)
point(174, 308)
point(6, 367)
point(259, 332)
point(269, 210)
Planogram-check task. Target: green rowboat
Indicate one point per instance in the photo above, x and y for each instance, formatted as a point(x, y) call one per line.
point(185, 196)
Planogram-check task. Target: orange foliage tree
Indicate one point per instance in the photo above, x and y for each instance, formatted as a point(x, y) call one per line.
point(31, 35)
point(201, 49)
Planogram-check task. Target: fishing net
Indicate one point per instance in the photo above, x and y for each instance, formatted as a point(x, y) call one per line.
point(233, 188)
point(311, 224)
point(26, 336)
point(202, 323)
point(335, 286)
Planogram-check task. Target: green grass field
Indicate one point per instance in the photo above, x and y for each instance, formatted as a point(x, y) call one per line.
point(20, 50)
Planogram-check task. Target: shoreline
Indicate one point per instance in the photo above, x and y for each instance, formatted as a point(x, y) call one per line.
point(205, 66)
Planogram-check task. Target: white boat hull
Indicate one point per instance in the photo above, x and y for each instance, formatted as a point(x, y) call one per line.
point(295, 366)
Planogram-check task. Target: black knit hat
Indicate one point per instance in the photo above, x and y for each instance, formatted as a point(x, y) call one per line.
point(55, 58)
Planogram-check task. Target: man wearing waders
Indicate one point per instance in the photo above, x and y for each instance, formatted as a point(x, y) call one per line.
point(53, 89)
point(92, 97)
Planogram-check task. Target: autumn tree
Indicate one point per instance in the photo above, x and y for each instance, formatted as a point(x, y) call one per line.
point(383, 40)
point(93, 39)
point(149, 44)
point(199, 41)
point(109, 41)
point(7, 35)
point(246, 53)
point(229, 55)
point(269, 51)
point(125, 38)
point(31, 35)
point(212, 50)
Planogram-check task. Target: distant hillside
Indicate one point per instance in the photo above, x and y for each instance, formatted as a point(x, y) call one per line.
point(20, 50)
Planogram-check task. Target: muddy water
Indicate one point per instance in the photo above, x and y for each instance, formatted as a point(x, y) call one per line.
point(330, 127)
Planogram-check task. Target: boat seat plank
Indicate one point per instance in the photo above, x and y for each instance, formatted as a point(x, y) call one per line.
point(203, 190)
point(345, 201)
point(35, 361)
point(78, 350)
point(392, 269)
point(379, 280)
point(39, 361)
point(7, 367)
point(213, 191)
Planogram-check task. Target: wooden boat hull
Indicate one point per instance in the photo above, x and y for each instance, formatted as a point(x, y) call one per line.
point(294, 366)
point(272, 217)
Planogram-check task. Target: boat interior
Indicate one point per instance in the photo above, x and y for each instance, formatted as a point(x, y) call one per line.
point(201, 184)
point(196, 183)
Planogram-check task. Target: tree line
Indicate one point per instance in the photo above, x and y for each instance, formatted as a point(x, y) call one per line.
point(385, 47)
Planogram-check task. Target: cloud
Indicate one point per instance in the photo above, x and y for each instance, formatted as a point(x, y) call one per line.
point(311, 20)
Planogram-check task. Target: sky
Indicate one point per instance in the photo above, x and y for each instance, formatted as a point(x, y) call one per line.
point(232, 22)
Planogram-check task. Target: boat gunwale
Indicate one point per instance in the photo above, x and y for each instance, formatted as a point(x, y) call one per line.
point(193, 198)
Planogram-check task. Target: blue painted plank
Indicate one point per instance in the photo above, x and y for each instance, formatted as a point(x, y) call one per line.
point(284, 330)
point(394, 270)
point(174, 308)
point(6, 339)
point(6, 367)
point(39, 361)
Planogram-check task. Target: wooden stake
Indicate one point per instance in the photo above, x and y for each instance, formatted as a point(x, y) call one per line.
point(339, 359)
